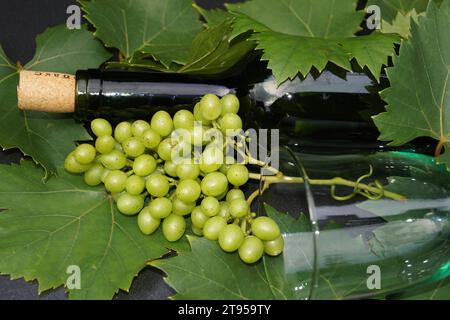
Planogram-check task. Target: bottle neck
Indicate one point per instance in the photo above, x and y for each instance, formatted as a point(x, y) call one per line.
point(125, 95)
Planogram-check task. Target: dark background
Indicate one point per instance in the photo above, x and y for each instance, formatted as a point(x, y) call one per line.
point(20, 22)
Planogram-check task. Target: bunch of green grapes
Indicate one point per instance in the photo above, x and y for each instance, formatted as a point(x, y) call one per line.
point(168, 169)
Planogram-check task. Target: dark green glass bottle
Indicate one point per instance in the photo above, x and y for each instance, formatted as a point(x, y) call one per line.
point(325, 112)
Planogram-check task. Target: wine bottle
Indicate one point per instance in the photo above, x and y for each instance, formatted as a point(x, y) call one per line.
point(326, 108)
point(122, 95)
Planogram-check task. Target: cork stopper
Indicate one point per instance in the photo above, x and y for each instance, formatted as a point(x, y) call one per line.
point(46, 91)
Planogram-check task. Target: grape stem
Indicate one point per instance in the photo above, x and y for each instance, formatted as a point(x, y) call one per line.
point(373, 191)
point(257, 192)
point(282, 179)
point(129, 173)
point(439, 148)
point(172, 180)
point(251, 160)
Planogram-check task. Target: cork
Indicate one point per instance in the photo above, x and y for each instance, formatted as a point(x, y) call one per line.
point(46, 91)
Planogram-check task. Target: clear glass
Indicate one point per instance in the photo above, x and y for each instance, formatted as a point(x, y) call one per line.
point(354, 247)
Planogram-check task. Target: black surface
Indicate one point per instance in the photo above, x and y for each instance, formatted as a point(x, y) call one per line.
point(20, 22)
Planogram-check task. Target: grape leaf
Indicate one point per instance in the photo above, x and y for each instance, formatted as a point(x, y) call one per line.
point(396, 15)
point(211, 53)
point(306, 18)
point(213, 17)
point(47, 138)
point(390, 8)
point(287, 55)
point(48, 227)
point(162, 28)
point(208, 272)
point(401, 24)
point(297, 36)
point(371, 51)
point(419, 96)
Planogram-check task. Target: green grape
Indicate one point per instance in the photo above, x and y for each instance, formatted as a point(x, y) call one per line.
point(210, 107)
point(84, 153)
point(170, 168)
point(130, 204)
point(231, 238)
point(147, 222)
point(229, 161)
point(160, 208)
point(198, 116)
point(151, 139)
point(139, 127)
point(72, 166)
point(265, 228)
point(212, 160)
point(135, 185)
point(144, 165)
point(183, 119)
point(118, 146)
point(197, 231)
point(101, 127)
point(165, 149)
point(214, 138)
point(162, 123)
point(105, 173)
point(198, 218)
point(116, 196)
point(239, 208)
point(173, 227)
point(197, 135)
point(157, 185)
point(224, 211)
point(182, 208)
point(188, 191)
point(97, 159)
point(230, 124)
point(251, 250)
point(214, 184)
point(181, 148)
point(123, 132)
point(213, 226)
point(187, 170)
point(237, 175)
point(105, 144)
point(222, 196)
point(210, 206)
point(234, 194)
point(275, 247)
point(230, 104)
point(181, 136)
point(93, 177)
point(116, 181)
point(115, 160)
point(133, 147)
